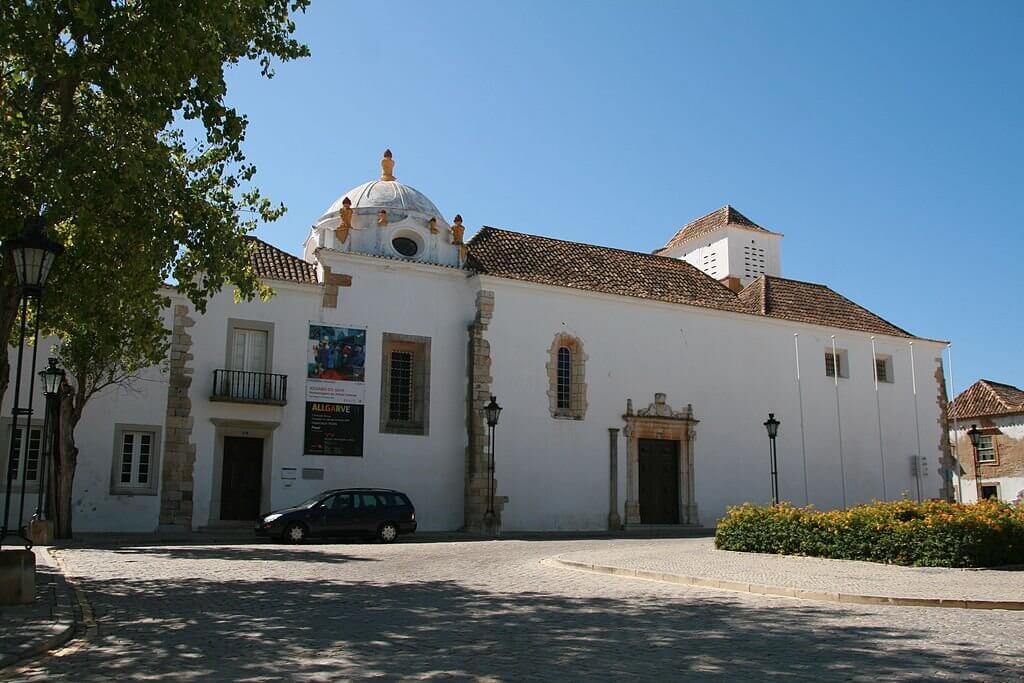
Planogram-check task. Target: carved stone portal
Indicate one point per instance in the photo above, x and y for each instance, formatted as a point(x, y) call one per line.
point(660, 421)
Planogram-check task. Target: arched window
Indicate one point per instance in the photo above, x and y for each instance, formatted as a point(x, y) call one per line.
point(564, 378)
point(567, 389)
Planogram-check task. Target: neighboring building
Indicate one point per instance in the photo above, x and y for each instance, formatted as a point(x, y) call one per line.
point(371, 366)
point(998, 412)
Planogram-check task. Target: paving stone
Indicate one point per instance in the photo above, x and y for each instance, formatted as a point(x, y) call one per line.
point(487, 610)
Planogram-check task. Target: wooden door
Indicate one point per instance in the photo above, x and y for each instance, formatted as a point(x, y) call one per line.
point(659, 481)
point(241, 478)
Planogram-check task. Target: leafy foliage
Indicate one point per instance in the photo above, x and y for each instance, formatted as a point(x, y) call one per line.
point(95, 98)
point(933, 533)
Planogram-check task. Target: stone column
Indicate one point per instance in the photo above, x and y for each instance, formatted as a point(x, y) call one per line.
point(691, 496)
point(632, 479)
point(614, 521)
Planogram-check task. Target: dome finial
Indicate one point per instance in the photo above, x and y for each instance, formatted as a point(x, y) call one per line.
point(387, 165)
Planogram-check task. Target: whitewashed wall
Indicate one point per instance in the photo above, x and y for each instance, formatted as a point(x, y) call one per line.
point(385, 296)
point(734, 369)
point(94, 507)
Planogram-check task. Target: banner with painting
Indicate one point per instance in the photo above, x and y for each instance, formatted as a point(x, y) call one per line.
point(335, 390)
point(335, 364)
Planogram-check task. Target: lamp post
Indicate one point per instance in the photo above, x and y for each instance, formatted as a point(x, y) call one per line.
point(52, 377)
point(974, 434)
point(772, 425)
point(32, 256)
point(492, 411)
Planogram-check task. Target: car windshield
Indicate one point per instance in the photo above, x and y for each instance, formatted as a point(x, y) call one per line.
point(310, 502)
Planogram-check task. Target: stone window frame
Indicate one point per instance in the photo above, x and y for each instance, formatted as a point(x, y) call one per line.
point(155, 460)
point(6, 433)
point(577, 409)
point(419, 346)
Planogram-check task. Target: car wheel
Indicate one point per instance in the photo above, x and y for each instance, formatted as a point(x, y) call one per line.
point(294, 533)
point(388, 532)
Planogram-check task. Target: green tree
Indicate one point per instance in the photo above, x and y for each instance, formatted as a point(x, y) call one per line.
point(96, 98)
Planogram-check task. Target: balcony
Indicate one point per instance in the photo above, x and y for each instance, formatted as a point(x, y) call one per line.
point(240, 386)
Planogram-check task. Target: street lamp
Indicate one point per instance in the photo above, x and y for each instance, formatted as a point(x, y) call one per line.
point(32, 256)
point(772, 425)
point(52, 378)
point(492, 411)
point(974, 434)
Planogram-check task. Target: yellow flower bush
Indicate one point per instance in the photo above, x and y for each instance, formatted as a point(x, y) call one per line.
point(932, 533)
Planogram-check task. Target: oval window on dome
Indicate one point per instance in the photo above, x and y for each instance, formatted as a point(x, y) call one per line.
point(405, 246)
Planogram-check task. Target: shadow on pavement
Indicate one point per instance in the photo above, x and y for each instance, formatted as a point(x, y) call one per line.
point(200, 629)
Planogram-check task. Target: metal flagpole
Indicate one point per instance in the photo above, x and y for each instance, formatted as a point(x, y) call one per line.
point(878, 411)
point(917, 422)
point(800, 397)
point(956, 429)
point(839, 420)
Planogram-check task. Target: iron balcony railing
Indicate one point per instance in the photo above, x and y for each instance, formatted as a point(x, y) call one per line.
point(242, 386)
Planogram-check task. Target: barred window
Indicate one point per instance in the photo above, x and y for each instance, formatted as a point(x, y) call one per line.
point(564, 379)
point(405, 384)
point(400, 405)
point(831, 364)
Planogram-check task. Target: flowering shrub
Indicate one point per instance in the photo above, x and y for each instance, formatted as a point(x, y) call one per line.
point(929, 534)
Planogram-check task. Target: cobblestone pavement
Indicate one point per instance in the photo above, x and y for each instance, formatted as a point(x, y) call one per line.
point(485, 610)
point(698, 557)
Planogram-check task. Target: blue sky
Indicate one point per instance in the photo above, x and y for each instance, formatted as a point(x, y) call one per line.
point(884, 139)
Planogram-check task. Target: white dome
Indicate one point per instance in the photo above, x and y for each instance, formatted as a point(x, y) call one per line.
point(391, 195)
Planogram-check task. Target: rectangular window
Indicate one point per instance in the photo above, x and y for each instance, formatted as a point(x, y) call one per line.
point(883, 369)
point(247, 360)
point(836, 364)
point(989, 491)
point(250, 350)
point(400, 406)
point(986, 449)
point(136, 459)
point(832, 363)
point(564, 378)
point(405, 384)
point(27, 453)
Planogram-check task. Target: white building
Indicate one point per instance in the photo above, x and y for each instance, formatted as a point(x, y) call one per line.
point(996, 410)
point(634, 385)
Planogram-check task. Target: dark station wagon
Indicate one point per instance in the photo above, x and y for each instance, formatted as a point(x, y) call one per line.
point(383, 514)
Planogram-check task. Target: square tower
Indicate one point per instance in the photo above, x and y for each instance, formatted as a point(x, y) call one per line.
point(728, 246)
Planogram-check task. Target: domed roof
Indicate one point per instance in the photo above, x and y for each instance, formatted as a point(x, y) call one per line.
point(389, 194)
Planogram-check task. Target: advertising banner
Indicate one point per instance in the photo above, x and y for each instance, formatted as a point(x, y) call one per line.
point(335, 364)
point(334, 429)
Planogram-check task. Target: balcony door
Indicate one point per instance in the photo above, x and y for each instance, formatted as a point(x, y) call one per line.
point(249, 363)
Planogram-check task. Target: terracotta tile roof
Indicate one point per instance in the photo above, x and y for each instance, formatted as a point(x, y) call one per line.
point(807, 302)
point(518, 256)
point(709, 223)
point(549, 261)
point(270, 263)
point(985, 398)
